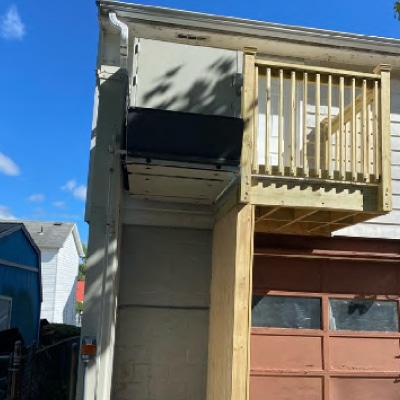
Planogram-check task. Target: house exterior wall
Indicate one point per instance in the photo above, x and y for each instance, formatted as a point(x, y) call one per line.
point(65, 283)
point(386, 226)
point(189, 78)
point(49, 274)
point(163, 313)
point(21, 283)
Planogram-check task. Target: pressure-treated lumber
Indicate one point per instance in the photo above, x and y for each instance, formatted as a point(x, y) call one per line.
point(230, 308)
point(248, 104)
point(386, 177)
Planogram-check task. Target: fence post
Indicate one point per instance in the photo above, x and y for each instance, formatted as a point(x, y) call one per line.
point(73, 371)
point(15, 369)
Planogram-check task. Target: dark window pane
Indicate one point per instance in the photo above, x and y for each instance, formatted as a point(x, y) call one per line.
point(5, 314)
point(363, 315)
point(286, 312)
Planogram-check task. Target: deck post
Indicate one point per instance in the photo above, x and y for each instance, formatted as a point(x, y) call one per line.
point(385, 193)
point(249, 135)
point(230, 305)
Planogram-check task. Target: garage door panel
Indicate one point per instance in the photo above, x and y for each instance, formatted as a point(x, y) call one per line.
point(286, 388)
point(364, 389)
point(286, 353)
point(364, 354)
point(362, 278)
point(293, 275)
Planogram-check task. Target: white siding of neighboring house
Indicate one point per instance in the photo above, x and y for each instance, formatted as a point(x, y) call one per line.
point(67, 271)
point(387, 226)
point(49, 272)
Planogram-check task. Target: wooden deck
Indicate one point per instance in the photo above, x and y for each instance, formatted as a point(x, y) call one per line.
point(316, 146)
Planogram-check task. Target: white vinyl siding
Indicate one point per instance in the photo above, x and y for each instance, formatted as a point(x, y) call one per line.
point(386, 226)
point(67, 271)
point(49, 272)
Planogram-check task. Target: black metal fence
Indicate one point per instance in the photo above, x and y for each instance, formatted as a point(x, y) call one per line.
point(46, 373)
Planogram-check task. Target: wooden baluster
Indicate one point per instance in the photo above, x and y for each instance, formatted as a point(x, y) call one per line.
point(329, 152)
point(376, 169)
point(305, 99)
point(353, 131)
point(368, 143)
point(364, 148)
point(317, 125)
point(248, 102)
point(268, 122)
point(293, 124)
point(342, 127)
point(280, 125)
point(255, 163)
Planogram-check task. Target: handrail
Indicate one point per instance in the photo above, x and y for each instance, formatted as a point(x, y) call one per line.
point(317, 70)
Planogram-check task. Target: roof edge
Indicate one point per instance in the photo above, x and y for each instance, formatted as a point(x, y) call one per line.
point(77, 240)
point(247, 27)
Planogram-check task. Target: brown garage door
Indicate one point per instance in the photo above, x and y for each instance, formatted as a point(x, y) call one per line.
point(325, 329)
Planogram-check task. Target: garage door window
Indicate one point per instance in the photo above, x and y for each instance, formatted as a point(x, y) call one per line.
point(5, 313)
point(286, 312)
point(363, 315)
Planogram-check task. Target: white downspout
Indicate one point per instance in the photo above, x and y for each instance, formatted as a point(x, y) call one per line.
point(124, 36)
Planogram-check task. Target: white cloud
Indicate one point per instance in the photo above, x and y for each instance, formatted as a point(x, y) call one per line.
point(36, 197)
point(8, 166)
point(69, 185)
point(80, 192)
point(5, 213)
point(59, 204)
point(12, 27)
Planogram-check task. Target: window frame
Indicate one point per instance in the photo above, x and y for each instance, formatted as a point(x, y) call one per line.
point(10, 300)
point(325, 315)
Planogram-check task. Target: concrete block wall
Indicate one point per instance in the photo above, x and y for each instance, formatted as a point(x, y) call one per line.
point(163, 314)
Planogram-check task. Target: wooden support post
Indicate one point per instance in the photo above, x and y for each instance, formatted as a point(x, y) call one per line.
point(248, 104)
point(385, 195)
point(230, 308)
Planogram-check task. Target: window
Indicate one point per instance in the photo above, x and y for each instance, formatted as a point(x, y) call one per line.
point(5, 313)
point(286, 312)
point(363, 315)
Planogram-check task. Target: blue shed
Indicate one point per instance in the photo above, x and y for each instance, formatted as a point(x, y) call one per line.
point(20, 281)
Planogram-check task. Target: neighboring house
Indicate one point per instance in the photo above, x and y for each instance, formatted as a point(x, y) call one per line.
point(20, 283)
point(227, 156)
point(61, 248)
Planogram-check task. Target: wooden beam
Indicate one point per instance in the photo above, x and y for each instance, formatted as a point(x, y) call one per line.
point(348, 111)
point(230, 308)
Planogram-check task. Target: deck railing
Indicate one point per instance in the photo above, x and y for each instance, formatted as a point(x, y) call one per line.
point(316, 123)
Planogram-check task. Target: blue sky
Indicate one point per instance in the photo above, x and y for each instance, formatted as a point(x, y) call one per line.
point(48, 52)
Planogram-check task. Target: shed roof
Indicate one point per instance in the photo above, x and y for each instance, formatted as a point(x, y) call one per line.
point(7, 227)
point(51, 234)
